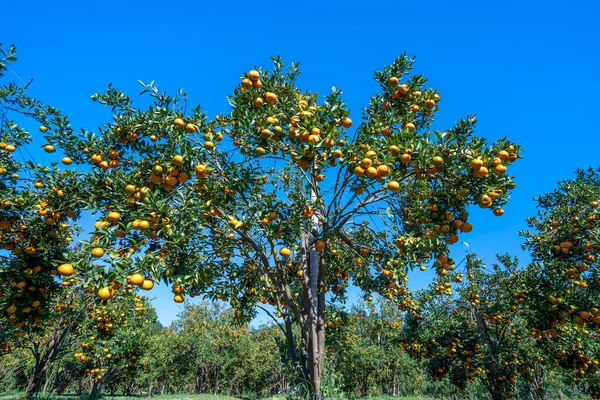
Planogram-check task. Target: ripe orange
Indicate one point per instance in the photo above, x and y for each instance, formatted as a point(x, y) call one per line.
point(366, 162)
point(171, 180)
point(178, 122)
point(481, 172)
point(113, 216)
point(485, 201)
point(405, 158)
point(67, 160)
point(403, 89)
point(429, 104)
point(437, 160)
point(270, 97)
point(137, 279)
point(393, 186)
point(66, 270)
point(253, 75)
point(500, 169)
point(177, 288)
point(178, 298)
point(105, 293)
point(49, 148)
point(393, 81)
point(308, 211)
point(260, 151)
point(503, 155)
point(466, 227)
point(97, 252)
point(258, 102)
point(147, 284)
point(476, 163)
point(371, 172)
point(190, 128)
point(285, 252)
point(246, 83)
point(347, 123)
point(383, 170)
point(201, 170)
point(209, 145)
point(314, 139)
point(183, 177)
point(319, 245)
point(394, 150)
point(178, 161)
point(43, 128)
point(498, 212)
point(585, 314)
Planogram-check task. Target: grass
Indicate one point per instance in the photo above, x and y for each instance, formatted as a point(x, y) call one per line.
point(183, 396)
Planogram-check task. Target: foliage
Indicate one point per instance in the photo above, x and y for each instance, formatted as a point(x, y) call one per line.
point(278, 205)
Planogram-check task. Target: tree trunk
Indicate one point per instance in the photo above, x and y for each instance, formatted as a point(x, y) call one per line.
point(36, 380)
point(537, 387)
point(493, 383)
point(314, 320)
point(395, 380)
point(289, 338)
point(46, 355)
point(95, 390)
point(217, 380)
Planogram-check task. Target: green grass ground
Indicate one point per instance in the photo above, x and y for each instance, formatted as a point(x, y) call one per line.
point(17, 396)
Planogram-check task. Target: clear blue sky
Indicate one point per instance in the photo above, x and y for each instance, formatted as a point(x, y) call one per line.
point(527, 69)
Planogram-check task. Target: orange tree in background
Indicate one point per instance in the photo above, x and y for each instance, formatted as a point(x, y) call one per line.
point(364, 351)
point(50, 339)
point(563, 277)
point(512, 323)
point(472, 326)
point(113, 337)
point(278, 202)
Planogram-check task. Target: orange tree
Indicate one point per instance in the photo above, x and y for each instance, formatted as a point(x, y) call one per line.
point(467, 327)
point(313, 207)
point(480, 326)
point(49, 340)
point(365, 353)
point(290, 207)
point(206, 351)
point(39, 204)
point(522, 322)
point(563, 277)
point(112, 338)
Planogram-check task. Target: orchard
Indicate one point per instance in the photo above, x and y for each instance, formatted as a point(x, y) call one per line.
point(286, 204)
